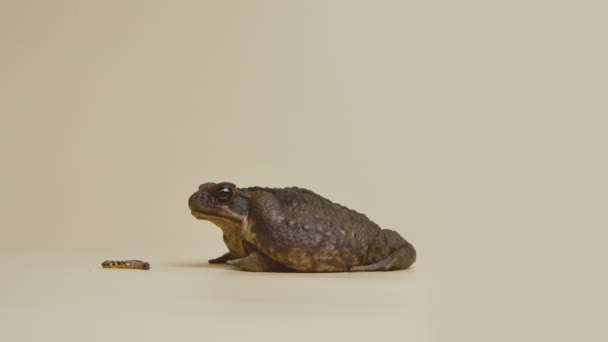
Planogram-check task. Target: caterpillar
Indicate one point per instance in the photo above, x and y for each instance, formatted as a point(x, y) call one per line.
point(130, 264)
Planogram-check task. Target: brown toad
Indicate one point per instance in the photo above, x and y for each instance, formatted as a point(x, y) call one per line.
point(294, 229)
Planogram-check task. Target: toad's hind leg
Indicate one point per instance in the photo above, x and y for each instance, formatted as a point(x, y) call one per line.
point(399, 259)
point(258, 262)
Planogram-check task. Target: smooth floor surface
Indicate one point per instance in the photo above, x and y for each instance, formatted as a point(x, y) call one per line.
point(188, 300)
point(67, 296)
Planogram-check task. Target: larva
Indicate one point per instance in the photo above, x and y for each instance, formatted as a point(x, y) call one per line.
point(130, 264)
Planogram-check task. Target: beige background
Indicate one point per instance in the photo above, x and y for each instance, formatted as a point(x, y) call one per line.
point(477, 129)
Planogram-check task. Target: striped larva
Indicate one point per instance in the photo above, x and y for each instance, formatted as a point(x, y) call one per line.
point(130, 264)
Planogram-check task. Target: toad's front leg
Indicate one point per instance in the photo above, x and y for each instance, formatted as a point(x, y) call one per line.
point(222, 259)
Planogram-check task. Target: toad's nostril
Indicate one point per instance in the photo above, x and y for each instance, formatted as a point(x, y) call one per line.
point(193, 200)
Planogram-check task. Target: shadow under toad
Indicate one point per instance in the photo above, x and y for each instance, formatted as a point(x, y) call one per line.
point(200, 264)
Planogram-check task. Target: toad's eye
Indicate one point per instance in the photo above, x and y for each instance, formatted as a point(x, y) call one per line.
point(223, 194)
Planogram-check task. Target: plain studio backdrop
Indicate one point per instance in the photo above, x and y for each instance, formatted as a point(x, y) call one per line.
point(477, 129)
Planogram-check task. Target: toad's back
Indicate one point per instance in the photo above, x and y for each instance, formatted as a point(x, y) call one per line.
point(317, 234)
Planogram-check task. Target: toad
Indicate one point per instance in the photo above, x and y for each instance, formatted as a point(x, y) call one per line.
point(294, 229)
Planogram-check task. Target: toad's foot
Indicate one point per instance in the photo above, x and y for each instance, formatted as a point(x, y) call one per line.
point(257, 262)
point(398, 260)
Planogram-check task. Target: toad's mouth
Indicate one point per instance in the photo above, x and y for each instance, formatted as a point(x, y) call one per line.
point(215, 215)
point(201, 215)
